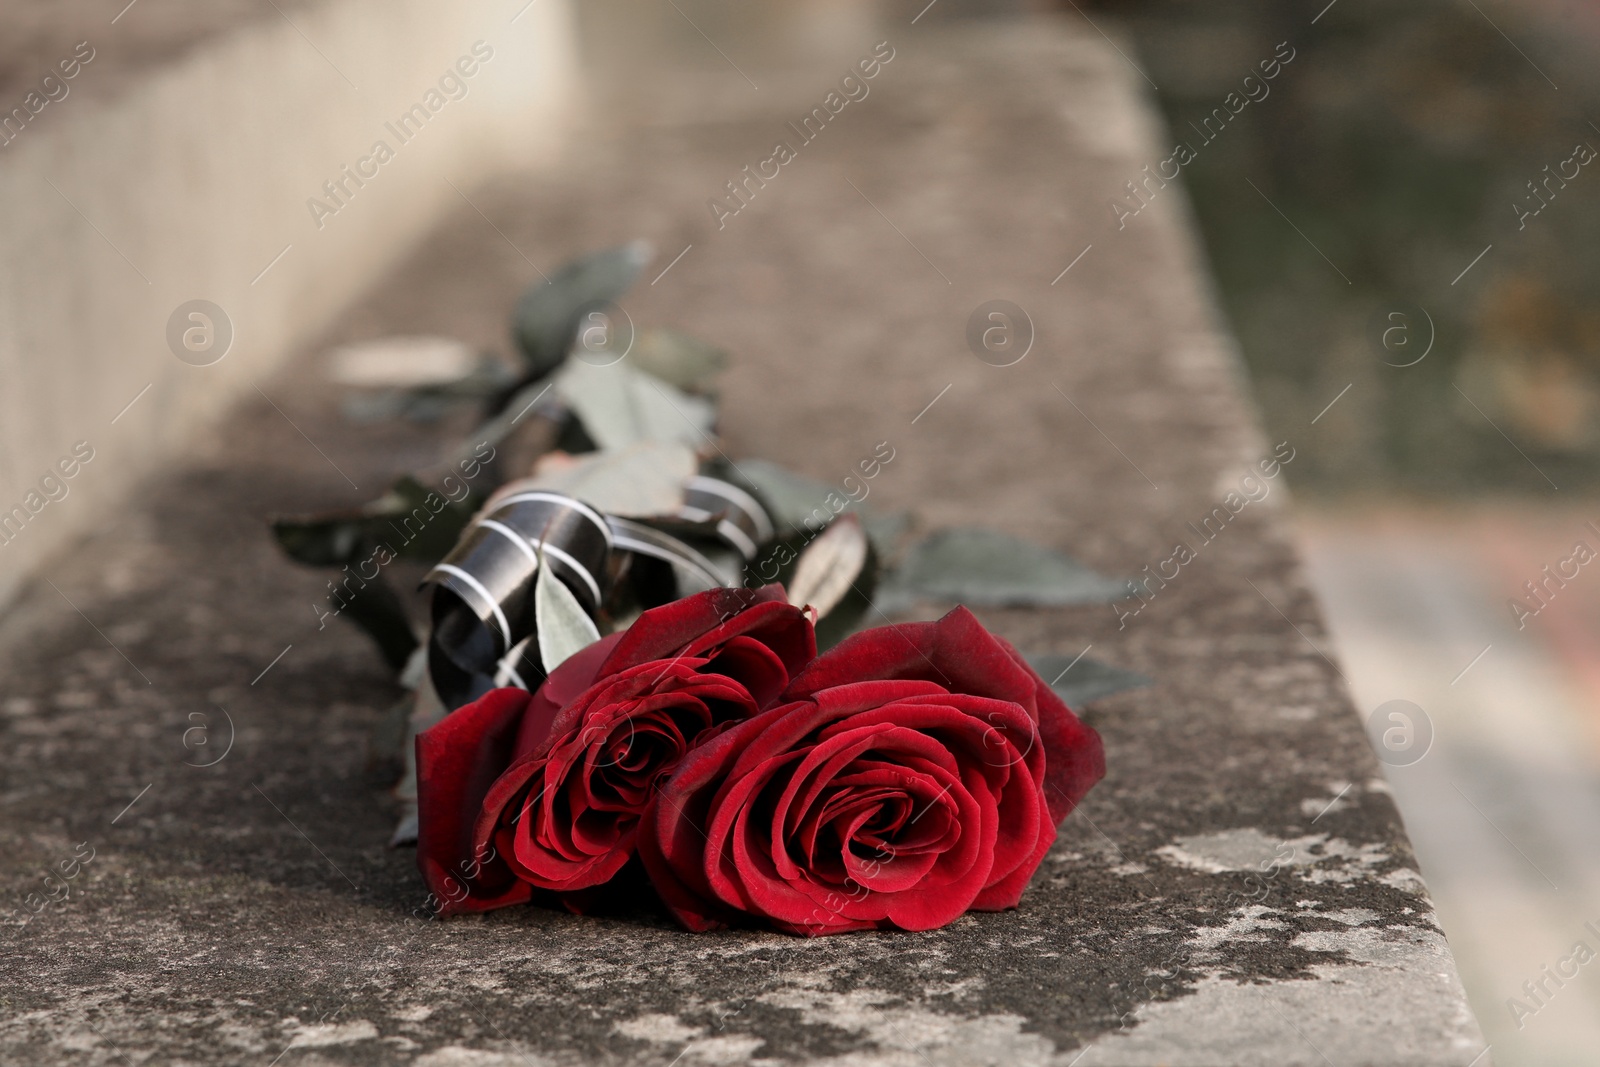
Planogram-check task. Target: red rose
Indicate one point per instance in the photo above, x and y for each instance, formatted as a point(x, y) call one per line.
point(918, 771)
point(520, 790)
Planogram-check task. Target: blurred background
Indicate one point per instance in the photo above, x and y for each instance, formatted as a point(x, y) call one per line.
point(1445, 478)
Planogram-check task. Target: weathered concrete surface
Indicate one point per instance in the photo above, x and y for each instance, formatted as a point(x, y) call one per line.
point(249, 910)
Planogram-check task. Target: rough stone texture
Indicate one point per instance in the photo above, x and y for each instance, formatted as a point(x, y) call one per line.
point(1238, 890)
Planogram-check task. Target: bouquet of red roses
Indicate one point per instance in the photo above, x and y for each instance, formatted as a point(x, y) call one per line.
point(617, 677)
point(910, 774)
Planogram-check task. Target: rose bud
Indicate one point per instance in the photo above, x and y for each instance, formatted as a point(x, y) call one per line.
point(521, 791)
point(917, 772)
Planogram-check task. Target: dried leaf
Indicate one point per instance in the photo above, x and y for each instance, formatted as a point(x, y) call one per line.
point(829, 566)
point(563, 626)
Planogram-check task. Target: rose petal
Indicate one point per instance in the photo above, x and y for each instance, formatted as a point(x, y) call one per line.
point(582, 826)
point(955, 652)
point(961, 656)
point(758, 668)
point(564, 685)
point(916, 772)
point(779, 625)
point(1075, 757)
point(558, 783)
point(1008, 750)
point(672, 843)
point(458, 759)
point(662, 632)
point(763, 875)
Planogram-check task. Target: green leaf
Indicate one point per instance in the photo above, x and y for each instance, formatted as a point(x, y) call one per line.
point(402, 521)
point(984, 567)
point(550, 312)
point(1083, 680)
point(885, 531)
point(643, 480)
point(790, 498)
point(620, 406)
point(677, 359)
point(340, 542)
point(530, 399)
point(564, 627)
point(330, 540)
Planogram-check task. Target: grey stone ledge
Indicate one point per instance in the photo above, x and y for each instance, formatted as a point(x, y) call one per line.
point(214, 926)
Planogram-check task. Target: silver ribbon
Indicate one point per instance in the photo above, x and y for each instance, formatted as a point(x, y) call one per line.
point(741, 520)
